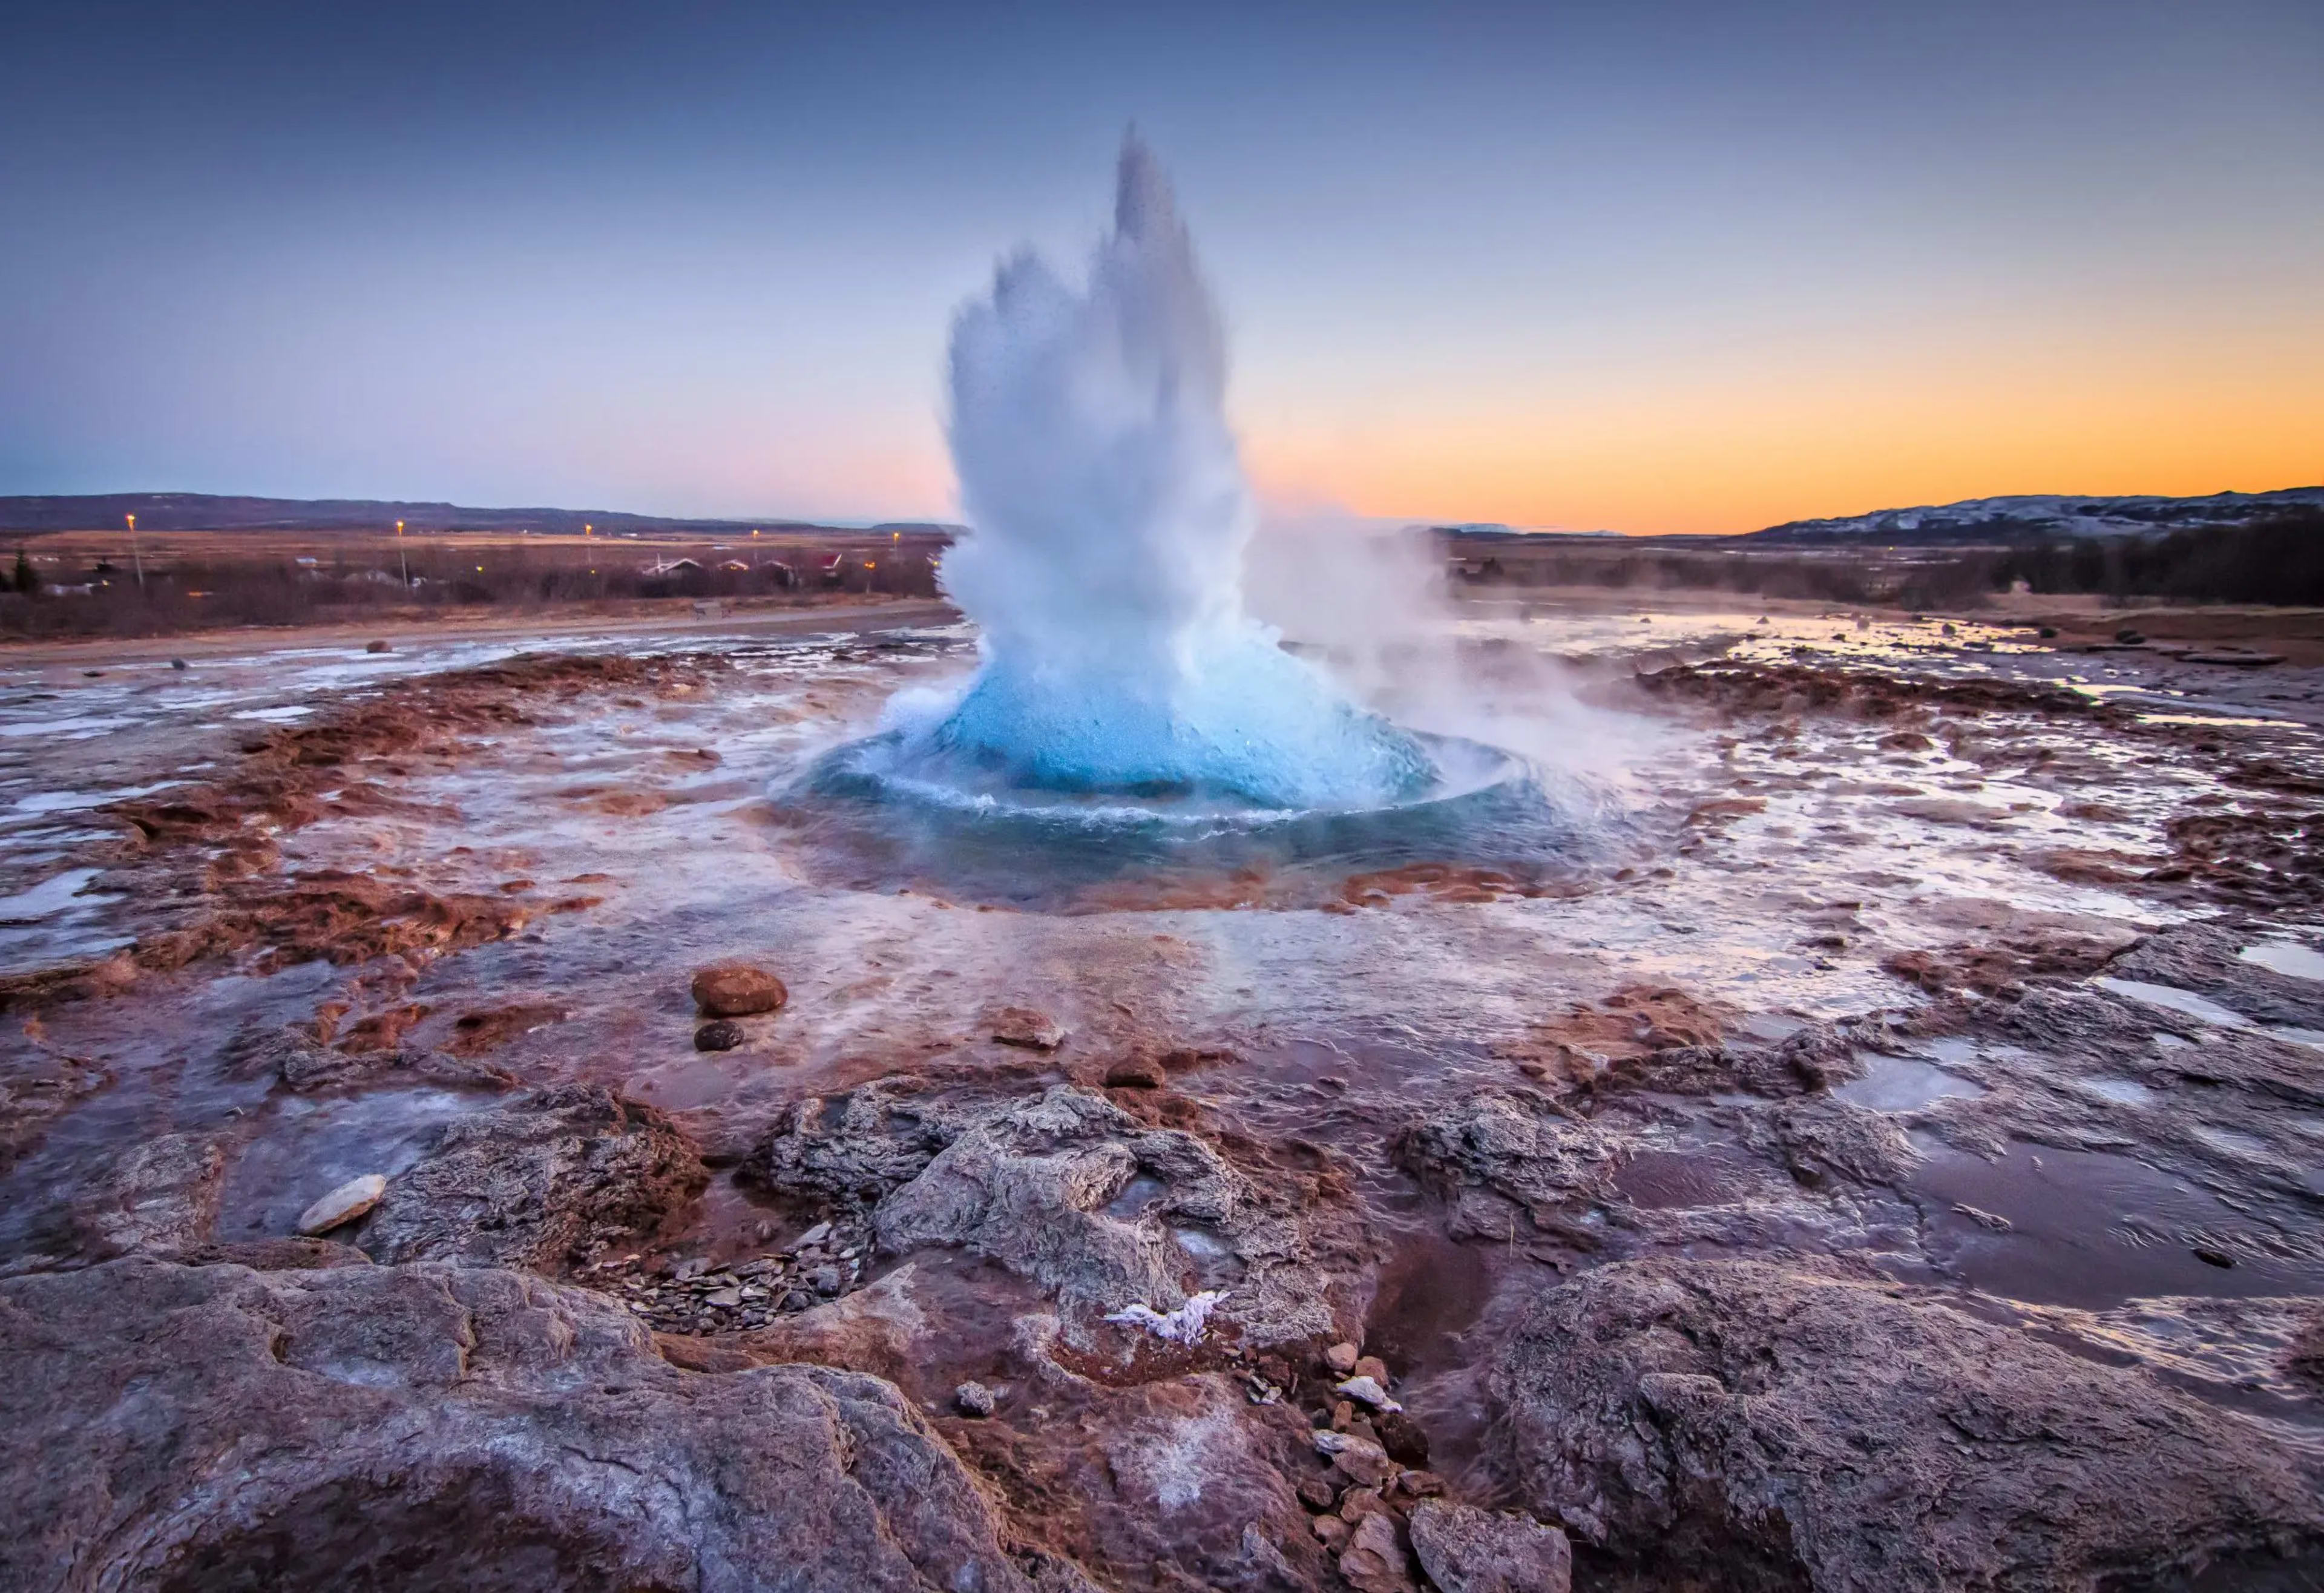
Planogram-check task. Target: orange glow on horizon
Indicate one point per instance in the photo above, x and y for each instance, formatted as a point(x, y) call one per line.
point(1724, 457)
point(1709, 441)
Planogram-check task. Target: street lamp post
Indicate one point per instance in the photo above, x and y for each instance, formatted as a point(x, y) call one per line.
point(136, 553)
point(402, 558)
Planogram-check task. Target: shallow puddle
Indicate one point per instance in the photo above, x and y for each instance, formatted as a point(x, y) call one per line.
point(1678, 1180)
point(2289, 958)
point(1902, 1084)
point(301, 1149)
point(2092, 1228)
point(2202, 1009)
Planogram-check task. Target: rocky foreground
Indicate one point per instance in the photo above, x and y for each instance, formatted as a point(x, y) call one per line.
point(1063, 1292)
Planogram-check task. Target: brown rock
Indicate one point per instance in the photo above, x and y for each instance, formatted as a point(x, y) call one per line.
point(720, 1034)
point(1711, 1420)
point(1341, 1359)
point(1374, 1562)
point(737, 989)
point(1359, 1459)
point(428, 1426)
point(36, 1090)
point(1465, 1550)
point(159, 1195)
point(2005, 946)
point(1185, 1474)
point(1135, 1072)
point(1028, 1026)
point(526, 1184)
point(342, 1205)
point(2304, 1359)
point(488, 1028)
point(276, 1255)
point(1401, 1437)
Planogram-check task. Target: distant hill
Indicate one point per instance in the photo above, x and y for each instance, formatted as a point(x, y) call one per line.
point(2045, 519)
point(200, 511)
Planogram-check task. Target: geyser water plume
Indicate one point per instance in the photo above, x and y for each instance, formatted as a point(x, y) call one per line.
point(1106, 567)
point(1129, 719)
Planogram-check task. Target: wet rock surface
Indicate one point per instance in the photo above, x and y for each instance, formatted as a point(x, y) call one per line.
point(307, 1066)
point(537, 1181)
point(1893, 1148)
point(1101, 1211)
point(1028, 1027)
point(162, 1195)
point(1778, 1428)
point(1465, 1550)
point(427, 1426)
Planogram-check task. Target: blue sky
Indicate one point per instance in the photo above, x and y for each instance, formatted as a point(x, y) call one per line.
point(1657, 266)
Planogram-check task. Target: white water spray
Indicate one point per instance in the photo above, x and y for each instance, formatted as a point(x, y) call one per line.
point(1105, 568)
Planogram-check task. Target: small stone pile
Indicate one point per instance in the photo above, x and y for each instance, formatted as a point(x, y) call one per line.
point(1377, 1509)
point(694, 1296)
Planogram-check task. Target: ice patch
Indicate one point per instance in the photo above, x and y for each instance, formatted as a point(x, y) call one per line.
point(1185, 1325)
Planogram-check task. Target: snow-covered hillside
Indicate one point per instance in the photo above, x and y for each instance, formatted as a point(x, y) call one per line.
point(2042, 516)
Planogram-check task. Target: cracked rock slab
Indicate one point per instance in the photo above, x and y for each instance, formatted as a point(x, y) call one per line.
point(1068, 1191)
point(1752, 1425)
point(529, 1183)
point(177, 1428)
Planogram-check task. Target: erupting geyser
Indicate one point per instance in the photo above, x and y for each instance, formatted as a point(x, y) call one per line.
point(1127, 711)
point(1105, 569)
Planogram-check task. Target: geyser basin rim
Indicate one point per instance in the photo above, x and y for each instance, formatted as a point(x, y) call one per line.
point(872, 827)
point(887, 768)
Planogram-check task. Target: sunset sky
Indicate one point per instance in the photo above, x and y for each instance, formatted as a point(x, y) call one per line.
point(1655, 267)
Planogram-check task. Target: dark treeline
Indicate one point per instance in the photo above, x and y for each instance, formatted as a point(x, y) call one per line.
point(104, 597)
point(2277, 561)
point(1848, 576)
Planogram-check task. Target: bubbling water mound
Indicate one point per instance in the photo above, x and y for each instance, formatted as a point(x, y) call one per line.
point(1253, 725)
point(888, 810)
